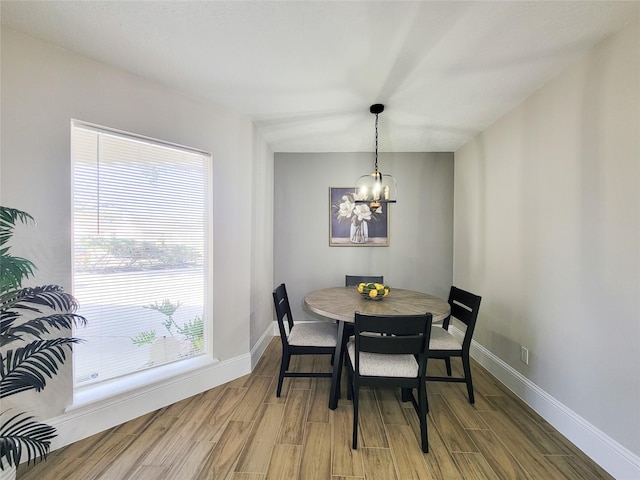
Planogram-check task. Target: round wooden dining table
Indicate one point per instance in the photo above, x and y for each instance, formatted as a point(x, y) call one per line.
point(341, 304)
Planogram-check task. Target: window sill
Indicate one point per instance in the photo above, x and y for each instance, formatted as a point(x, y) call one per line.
point(138, 382)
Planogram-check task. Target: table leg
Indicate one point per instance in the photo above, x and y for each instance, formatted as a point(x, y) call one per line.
point(334, 395)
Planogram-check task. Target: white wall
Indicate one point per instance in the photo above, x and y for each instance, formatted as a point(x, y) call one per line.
point(419, 256)
point(43, 87)
point(262, 250)
point(547, 230)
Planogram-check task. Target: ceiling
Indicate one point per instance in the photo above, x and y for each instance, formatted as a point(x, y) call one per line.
point(307, 71)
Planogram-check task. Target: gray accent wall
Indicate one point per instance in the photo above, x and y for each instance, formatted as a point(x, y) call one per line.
point(420, 254)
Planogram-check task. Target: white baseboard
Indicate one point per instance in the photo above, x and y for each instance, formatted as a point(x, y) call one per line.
point(86, 420)
point(261, 345)
point(617, 460)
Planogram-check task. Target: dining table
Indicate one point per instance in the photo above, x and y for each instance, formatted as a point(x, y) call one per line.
point(341, 304)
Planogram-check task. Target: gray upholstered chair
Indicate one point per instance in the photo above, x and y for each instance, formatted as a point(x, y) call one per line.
point(443, 345)
point(307, 338)
point(390, 351)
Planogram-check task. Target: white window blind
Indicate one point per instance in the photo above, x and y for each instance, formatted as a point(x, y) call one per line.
point(140, 222)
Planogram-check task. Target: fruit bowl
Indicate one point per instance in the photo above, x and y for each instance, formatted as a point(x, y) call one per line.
point(373, 291)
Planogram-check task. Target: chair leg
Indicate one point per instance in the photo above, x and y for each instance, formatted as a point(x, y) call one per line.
point(422, 402)
point(466, 365)
point(349, 382)
point(355, 418)
point(284, 365)
point(406, 394)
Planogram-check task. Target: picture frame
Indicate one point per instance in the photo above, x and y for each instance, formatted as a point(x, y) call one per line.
point(355, 225)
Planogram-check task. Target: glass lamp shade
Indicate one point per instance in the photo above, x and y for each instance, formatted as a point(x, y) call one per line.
point(376, 189)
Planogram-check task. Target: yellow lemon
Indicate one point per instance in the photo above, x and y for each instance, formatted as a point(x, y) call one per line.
point(386, 292)
point(373, 293)
point(379, 286)
point(361, 288)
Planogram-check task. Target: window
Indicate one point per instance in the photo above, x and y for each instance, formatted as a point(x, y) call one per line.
point(140, 257)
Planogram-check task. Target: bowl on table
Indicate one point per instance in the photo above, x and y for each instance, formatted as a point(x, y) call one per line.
point(373, 291)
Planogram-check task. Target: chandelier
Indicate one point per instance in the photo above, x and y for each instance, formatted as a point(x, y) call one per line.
point(376, 189)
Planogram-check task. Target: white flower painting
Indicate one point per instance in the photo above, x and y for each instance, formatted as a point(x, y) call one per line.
point(355, 224)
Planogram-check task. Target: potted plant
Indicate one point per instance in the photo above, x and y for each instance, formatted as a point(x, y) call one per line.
point(31, 353)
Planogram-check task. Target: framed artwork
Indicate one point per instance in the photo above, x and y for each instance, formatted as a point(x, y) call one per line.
point(355, 225)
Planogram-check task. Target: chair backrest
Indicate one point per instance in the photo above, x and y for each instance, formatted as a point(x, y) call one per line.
point(353, 280)
point(402, 334)
point(464, 307)
point(283, 310)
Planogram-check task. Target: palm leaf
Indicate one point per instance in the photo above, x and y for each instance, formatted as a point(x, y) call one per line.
point(13, 270)
point(6, 326)
point(51, 296)
point(36, 327)
point(27, 367)
point(22, 433)
point(8, 219)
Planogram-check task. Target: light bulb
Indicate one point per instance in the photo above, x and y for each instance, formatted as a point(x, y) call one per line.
point(377, 187)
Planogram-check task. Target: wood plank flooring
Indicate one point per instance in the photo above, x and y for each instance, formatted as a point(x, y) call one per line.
point(242, 431)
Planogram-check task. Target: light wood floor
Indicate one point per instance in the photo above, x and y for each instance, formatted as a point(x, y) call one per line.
point(241, 431)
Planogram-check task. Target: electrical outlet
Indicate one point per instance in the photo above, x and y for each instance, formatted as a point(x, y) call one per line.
point(524, 355)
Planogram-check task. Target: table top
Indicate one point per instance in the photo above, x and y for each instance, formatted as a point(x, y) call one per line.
point(341, 303)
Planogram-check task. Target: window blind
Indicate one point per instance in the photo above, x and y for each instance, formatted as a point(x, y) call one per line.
point(140, 222)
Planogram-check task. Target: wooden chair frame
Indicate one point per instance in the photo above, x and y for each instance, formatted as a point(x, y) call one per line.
point(283, 310)
point(464, 307)
point(353, 280)
point(392, 335)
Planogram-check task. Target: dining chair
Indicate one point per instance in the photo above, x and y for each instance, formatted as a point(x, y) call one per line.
point(443, 345)
point(390, 351)
point(305, 338)
point(353, 280)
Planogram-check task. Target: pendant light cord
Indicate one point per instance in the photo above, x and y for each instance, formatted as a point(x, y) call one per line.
point(376, 165)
